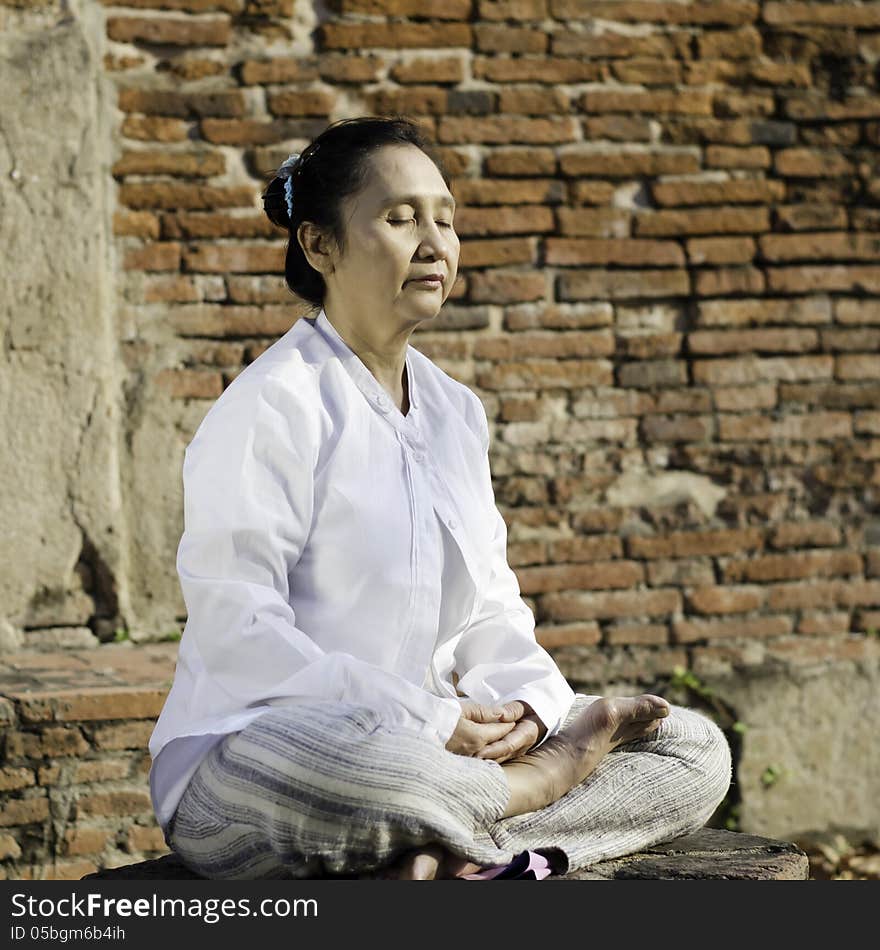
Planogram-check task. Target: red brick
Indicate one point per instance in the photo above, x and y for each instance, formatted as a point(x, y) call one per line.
point(85, 840)
point(63, 870)
point(24, 811)
point(190, 383)
point(856, 312)
point(729, 280)
point(812, 427)
point(811, 163)
point(629, 163)
point(795, 566)
point(559, 635)
point(805, 534)
point(683, 572)
point(857, 366)
point(100, 770)
point(837, 277)
point(152, 128)
point(736, 190)
point(276, 71)
point(173, 31)
point(821, 245)
point(720, 220)
point(175, 289)
point(506, 38)
point(627, 251)
point(623, 284)
point(359, 36)
point(51, 742)
point(617, 128)
point(536, 345)
point(858, 593)
point(546, 374)
point(508, 286)
point(682, 428)
point(730, 156)
point(753, 369)
point(864, 340)
point(720, 250)
point(172, 195)
point(9, 847)
point(645, 633)
point(649, 72)
point(153, 257)
point(598, 575)
point(543, 69)
point(446, 70)
point(511, 220)
point(652, 374)
point(651, 346)
point(12, 778)
point(737, 313)
point(689, 631)
point(739, 398)
point(826, 14)
point(595, 548)
point(810, 217)
point(180, 164)
point(665, 102)
point(594, 222)
point(230, 321)
point(139, 224)
point(127, 735)
point(302, 102)
point(228, 258)
point(823, 624)
point(688, 543)
point(752, 341)
point(114, 804)
point(507, 129)
point(145, 839)
point(608, 604)
point(91, 703)
point(726, 600)
point(728, 12)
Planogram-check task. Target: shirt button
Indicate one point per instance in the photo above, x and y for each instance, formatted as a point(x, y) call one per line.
point(383, 403)
point(419, 457)
point(453, 524)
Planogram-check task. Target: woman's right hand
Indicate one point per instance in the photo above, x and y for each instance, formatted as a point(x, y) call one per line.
point(478, 727)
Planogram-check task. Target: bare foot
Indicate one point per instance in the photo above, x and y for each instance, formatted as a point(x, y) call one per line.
point(545, 774)
point(431, 862)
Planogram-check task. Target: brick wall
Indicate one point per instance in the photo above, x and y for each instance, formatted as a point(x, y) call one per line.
point(670, 263)
point(668, 298)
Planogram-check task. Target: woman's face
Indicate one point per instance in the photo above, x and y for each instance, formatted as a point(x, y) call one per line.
point(398, 227)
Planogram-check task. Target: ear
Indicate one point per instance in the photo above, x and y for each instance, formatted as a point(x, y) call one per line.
point(316, 247)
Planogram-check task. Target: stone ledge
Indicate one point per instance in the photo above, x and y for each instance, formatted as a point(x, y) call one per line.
point(708, 854)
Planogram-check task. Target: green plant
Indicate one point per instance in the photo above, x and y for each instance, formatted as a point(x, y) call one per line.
point(120, 635)
point(687, 679)
point(740, 728)
point(171, 636)
point(771, 775)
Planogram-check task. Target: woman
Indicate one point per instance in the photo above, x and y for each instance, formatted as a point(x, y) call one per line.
point(359, 689)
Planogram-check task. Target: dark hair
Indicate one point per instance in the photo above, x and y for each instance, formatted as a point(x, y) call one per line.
point(331, 168)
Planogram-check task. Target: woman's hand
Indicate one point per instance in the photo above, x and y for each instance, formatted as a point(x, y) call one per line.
point(479, 727)
point(528, 729)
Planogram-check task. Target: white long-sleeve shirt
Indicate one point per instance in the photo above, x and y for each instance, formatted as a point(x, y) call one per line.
point(334, 548)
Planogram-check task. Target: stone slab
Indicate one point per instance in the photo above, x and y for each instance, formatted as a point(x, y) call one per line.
point(707, 854)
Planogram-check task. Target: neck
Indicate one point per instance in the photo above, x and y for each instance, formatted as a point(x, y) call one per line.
point(381, 351)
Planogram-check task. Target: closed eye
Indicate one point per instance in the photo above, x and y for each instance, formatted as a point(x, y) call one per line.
point(445, 224)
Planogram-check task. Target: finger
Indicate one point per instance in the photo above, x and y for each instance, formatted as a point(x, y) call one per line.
point(477, 712)
point(513, 711)
point(487, 732)
point(513, 744)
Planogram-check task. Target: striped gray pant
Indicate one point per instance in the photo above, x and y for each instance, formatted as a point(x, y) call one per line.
point(329, 789)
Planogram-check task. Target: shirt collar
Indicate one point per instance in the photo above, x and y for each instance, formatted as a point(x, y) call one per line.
point(374, 392)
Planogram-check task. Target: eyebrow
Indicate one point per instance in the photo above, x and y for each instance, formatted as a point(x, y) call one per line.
point(415, 199)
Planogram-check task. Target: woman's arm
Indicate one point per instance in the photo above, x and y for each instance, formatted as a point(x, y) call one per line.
point(249, 504)
point(498, 659)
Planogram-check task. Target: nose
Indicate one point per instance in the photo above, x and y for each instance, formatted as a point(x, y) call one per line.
point(434, 242)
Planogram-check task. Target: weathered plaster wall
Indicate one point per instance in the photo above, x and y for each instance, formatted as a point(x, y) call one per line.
point(63, 578)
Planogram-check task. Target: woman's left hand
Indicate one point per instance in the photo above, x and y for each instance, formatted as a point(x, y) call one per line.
point(528, 730)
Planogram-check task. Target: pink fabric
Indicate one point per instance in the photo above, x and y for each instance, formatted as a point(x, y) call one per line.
point(527, 866)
